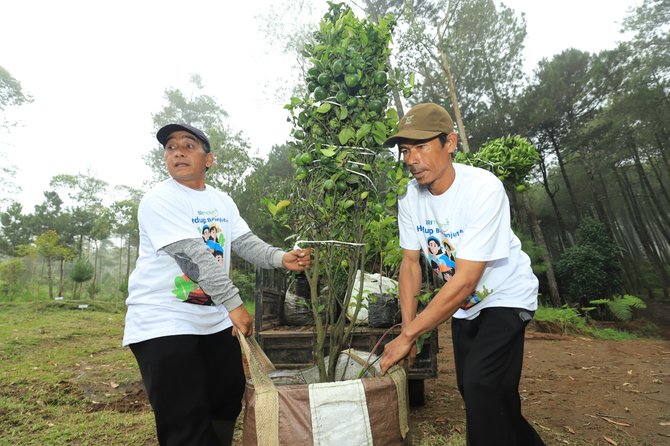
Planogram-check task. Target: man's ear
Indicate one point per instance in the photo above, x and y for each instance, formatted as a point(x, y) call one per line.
point(209, 161)
point(452, 142)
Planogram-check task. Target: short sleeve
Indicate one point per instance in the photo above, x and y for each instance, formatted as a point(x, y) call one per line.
point(165, 220)
point(487, 233)
point(406, 227)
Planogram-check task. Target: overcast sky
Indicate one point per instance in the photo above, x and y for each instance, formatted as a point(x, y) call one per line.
point(97, 71)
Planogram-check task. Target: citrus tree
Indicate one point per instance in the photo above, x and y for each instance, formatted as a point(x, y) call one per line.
point(344, 178)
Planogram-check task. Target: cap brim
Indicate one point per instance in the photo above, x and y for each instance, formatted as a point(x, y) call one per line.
point(417, 135)
point(165, 132)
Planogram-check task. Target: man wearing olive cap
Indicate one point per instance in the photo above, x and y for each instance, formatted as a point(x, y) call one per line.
point(491, 295)
point(183, 309)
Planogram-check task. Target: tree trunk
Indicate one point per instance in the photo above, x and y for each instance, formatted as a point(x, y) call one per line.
point(641, 229)
point(658, 215)
point(564, 174)
point(454, 99)
point(61, 276)
point(563, 233)
point(50, 278)
point(95, 269)
point(539, 238)
point(659, 175)
point(631, 273)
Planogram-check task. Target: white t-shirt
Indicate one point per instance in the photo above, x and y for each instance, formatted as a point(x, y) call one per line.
point(470, 221)
point(162, 300)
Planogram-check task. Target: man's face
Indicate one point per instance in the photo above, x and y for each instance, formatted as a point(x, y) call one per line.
point(186, 159)
point(430, 162)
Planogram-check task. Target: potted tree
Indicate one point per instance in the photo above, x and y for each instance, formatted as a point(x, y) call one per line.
point(343, 173)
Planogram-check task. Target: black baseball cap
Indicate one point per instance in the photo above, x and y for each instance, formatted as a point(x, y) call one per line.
point(164, 134)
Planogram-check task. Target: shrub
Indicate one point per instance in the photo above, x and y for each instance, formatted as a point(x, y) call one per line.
point(620, 308)
point(592, 267)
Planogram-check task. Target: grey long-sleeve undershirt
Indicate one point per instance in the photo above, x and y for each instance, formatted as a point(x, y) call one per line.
point(199, 264)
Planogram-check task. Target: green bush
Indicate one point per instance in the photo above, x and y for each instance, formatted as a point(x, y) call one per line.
point(591, 268)
point(246, 283)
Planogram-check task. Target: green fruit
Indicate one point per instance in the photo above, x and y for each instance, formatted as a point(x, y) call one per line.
point(376, 105)
point(328, 184)
point(338, 67)
point(320, 93)
point(351, 80)
point(352, 102)
point(314, 71)
point(342, 186)
point(311, 86)
point(318, 130)
point(342, 96)
point(299, 134)
point(306, 158)
point(378, 208)
point(324, 79)
point(301, 173)
point(380, 77)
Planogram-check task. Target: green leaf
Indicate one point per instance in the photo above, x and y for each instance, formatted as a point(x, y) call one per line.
point(342, 113)
point(328, 151)
point(379, 137)
point(272, 208)
point(282, 204)
point(345, 135)
point(363, 131)
point(324, 108)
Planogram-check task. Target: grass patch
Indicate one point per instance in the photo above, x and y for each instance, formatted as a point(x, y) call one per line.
point(569, 321)
point(65, 379)
point(432, 437)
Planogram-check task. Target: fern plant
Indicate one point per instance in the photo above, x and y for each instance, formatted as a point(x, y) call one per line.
point(621, 307)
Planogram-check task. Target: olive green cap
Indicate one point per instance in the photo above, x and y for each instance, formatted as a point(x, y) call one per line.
point(421, 122)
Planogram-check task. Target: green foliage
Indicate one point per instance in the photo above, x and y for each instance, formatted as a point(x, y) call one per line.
point(231, 149)
point(510, 158)
point(13, 226)
point(591, 267)
point(341, 188)
point(82, 271)
point(612, 334)
point(475, 35)
point(621, 307)
point(246, 284)
point(11, 275)
point(533, 251)
point(565, 317)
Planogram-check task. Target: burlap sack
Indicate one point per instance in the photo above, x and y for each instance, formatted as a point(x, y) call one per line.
point(367, 411)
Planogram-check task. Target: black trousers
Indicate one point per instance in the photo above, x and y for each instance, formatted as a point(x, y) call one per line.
point(192, 380)
point(488, 354)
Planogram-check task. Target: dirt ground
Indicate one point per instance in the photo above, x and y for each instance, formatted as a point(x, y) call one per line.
point(574, 390)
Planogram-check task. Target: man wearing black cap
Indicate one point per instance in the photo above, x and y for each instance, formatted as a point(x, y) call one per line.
point(491, 292)
point(183, 309)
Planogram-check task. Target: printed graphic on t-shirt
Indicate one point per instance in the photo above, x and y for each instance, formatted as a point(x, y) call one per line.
point(185, 288)
point(441, 256)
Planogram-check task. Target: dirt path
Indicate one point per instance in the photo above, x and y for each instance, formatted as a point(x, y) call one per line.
point(575, 391)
